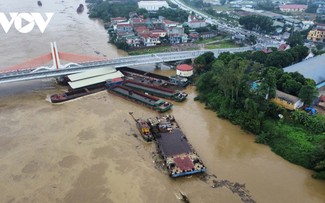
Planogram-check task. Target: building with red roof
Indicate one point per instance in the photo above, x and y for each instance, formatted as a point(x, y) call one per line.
point(116, 20)
point(184, 70)
point(293, 8)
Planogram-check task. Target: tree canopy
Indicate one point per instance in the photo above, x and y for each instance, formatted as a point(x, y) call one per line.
point(106, 10)
point(257, 22)
point(225, 86)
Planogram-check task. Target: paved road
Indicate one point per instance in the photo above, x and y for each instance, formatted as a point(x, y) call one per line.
point(265, 40)
point(23, 75)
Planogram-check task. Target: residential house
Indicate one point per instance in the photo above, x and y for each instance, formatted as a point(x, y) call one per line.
point(208, 35)
point(149, 39)
point(293, 8)
point(297, 24)
point(193, 36)
point(140, 29)
point(137, 21)
point(116, 20)
point(172, 27)
point(288, 101)
point(175, 38)
point(283, 47)
point(194, 22)
point(307, 24)
point(161, 33)
point(317, 35)
point(123, 27)
point(133, 41)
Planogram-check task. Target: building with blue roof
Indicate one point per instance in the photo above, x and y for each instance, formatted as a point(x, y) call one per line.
point(313, 68)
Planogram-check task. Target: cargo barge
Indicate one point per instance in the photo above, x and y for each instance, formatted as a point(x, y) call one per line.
point(156, 90)
point(179, 156)
point(141, 98)
point(73, 94)
point(152, 78)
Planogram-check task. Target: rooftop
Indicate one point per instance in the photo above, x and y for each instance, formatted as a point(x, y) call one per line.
point(293, 6)
point(286, 97)
point(173, 144)
point(184, 67)
point(312, 68)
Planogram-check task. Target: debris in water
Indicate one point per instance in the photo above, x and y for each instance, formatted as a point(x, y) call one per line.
point(236, 188)
point(183, 197)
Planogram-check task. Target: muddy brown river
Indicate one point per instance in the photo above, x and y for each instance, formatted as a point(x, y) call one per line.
point(89, 150)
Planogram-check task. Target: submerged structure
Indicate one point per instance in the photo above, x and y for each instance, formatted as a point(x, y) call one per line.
point(178, 154)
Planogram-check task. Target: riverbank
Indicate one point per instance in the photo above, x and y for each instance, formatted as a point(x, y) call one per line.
point(225, 85)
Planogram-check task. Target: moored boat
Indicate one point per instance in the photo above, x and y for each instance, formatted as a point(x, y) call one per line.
point(73, 94)
point(150, 78)
point(141, 98)
point(156, 90)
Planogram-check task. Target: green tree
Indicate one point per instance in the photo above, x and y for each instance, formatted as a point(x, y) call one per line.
point(295, 39)
point(265, 5)
point(257, 22)
point(279, 59)
point(312, 8)
point(259, 56)
point(307, 94)
point(222, 2)
point(252, 39)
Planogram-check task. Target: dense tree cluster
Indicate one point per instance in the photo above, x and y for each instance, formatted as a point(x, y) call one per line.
point(312, 8)
point(266, 5)
point(106, 10)
point(197, 3)
point(257, 22)
point(225, 85)
point(173, 14)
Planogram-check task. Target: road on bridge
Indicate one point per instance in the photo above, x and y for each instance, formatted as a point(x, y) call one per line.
point(31, 74)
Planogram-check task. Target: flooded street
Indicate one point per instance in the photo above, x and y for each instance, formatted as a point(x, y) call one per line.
point(89, 150)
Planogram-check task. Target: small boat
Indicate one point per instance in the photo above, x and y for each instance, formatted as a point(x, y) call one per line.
point(144, 129)
point(39, 3)
point(80, 8)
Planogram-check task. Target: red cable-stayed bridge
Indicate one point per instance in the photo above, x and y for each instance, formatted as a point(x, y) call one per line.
point(35, 68)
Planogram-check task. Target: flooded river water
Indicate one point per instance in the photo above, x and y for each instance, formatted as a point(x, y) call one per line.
point(86, 150)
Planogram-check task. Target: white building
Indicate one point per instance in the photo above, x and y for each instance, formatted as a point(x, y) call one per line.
point(184, 70)
point(152, 5)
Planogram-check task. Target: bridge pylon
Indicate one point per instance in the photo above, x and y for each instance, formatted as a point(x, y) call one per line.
point(55, 56)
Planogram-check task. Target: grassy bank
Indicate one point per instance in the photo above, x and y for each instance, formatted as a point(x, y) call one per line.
point(222, 45)
point(158, 49)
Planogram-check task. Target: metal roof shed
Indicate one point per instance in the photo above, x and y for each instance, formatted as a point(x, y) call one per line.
point(91, 73)
point(95, 80)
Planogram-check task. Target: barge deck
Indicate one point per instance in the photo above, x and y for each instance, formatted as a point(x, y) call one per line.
point(73, 94)
point(177, 152)
point(156, 91)
point(139, 97)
